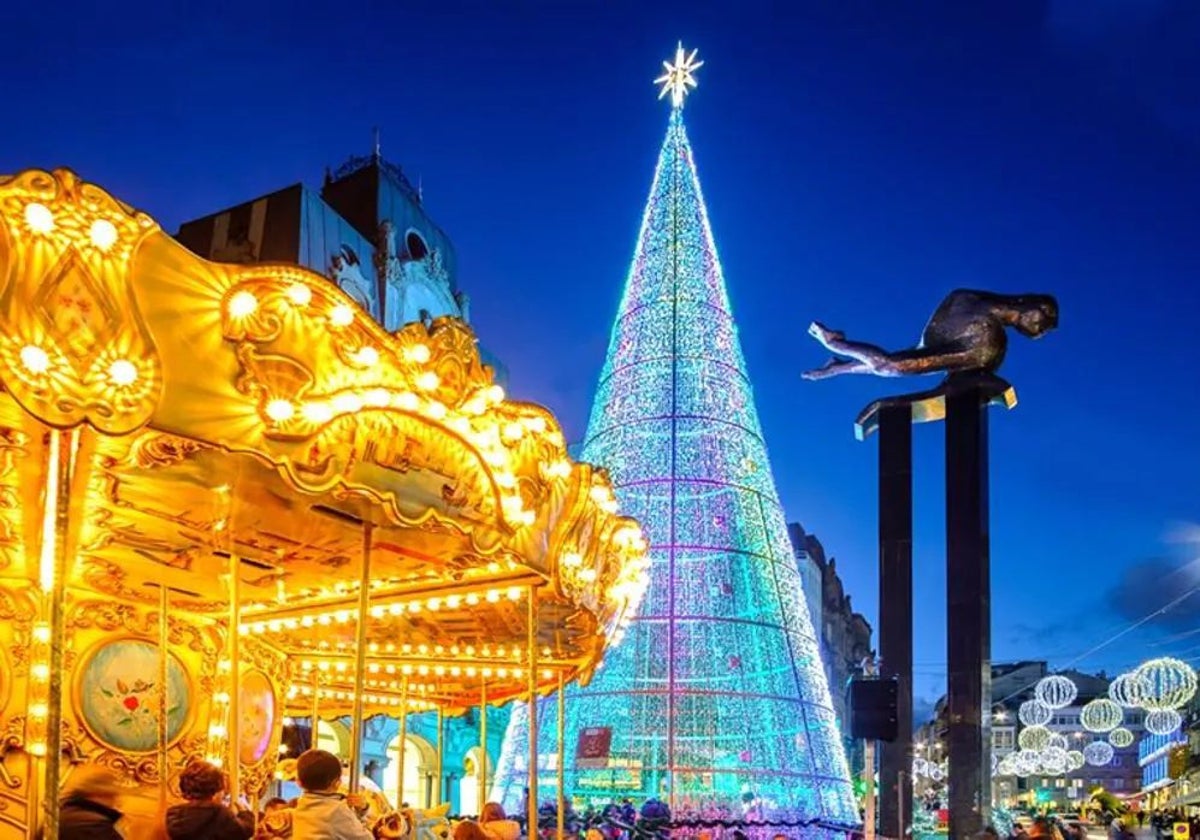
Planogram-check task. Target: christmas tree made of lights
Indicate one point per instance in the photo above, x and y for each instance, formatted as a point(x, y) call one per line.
point(716, 694)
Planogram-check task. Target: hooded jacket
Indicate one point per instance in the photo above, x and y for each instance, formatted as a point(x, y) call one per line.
point(208, 821)
point(326, 816)
point(83, 819)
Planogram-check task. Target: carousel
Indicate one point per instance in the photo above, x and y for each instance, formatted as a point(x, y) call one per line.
point(228, 496)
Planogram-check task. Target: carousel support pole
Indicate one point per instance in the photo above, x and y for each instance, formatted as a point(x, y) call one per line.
point(403, 742)
point(561, 805)
point(531, 640)
point(360, 659)
point(56, 533)
point(441, 748)
point(316, 709)
point(234, 729)
point(483, 750)
point(164, 775)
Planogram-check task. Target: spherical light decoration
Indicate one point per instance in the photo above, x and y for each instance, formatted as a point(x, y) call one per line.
point(1034, 738)
point(1098, 753)
point(1075, 760)
point(1120, 738)
point(1163, 721)
point(937, 774)
point(1101, 715)
point(1027, 761)
point(1056, 691)
point(1054, 760)
point(920, 766)
point(1058, 741)
point(1007, 766)
point(1034, 713)
point(1128, 690)
point(1170, 683)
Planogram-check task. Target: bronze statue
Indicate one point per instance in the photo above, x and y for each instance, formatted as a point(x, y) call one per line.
point(965, 335)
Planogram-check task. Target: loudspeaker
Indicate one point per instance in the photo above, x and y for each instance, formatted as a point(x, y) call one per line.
point(873, 709)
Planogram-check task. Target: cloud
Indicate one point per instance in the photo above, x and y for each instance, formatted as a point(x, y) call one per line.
point(1150, 585)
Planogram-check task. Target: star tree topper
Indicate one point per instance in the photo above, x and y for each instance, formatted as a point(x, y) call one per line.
point(679, 78)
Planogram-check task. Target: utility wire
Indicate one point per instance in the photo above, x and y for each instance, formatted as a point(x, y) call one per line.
point(1149, 617)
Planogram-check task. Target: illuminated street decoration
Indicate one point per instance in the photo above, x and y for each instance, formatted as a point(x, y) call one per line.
point(1129, 690)
point(1170, 683)
point(1100, 715)
point(717, 694)
point(1163, 721)
point(1057, 741)
point(1056, 691)
point(1120, 737)
point(1075, 760)
point(1098, 753)
point(1034, 713)
point(1035, 738)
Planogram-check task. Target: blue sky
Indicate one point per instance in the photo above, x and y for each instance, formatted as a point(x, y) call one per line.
point(859, 159)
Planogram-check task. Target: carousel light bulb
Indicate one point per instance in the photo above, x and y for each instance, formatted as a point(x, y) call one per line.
point(242, 304)
point(472, 599)
point(587, 575)
point(436, 410)
point(39, 218)
point(122, 372)
point(38, 710)
point(35, 359)
point(495, 394)
point(37, 749)
point(493, 596)
point(299, 294)
point(433, 603)
point(514, 593)
point(367, 356)
point(572, 559)
point(395, 608)
point(342, 315)
point(428, 381)
point(346, 403)
point(103, 234)
point(513, 431)
point(317, 412)
point(453, 601)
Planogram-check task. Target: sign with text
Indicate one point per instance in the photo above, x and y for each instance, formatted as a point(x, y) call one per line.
point(594, 746)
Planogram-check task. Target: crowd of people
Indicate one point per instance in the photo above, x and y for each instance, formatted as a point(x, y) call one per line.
point(89, 808)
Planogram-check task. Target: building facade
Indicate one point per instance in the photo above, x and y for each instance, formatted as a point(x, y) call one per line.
point(845, 635)
point(1012, 684)
point(366, 229)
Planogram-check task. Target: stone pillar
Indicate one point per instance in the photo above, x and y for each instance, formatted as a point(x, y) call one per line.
point(968, 590)
point(896, 612)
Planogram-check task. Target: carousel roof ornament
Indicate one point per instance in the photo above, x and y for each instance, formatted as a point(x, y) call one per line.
point(165, 420)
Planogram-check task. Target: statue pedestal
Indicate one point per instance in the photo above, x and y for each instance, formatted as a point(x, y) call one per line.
point(962, 401)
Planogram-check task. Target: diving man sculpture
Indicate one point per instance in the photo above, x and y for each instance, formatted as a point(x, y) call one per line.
point(966, 334)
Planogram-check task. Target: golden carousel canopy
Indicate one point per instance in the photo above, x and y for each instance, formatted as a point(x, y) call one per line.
point(254, 418)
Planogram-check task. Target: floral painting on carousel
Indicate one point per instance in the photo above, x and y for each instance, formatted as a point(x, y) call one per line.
point(119, 690)
point(257, 706)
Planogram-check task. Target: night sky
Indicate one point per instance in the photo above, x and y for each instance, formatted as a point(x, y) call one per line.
point(858, 162)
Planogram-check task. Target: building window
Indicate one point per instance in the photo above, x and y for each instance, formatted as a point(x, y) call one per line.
point(1060, 783)
point(1118, 784)
point(415, 245)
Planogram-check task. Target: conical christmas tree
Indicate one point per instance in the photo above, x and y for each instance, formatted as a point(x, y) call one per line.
point(716, 695)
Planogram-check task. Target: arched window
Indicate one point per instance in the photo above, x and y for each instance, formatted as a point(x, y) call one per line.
point(331, 739)
point(415, 788)
point(415, 245)
point(469, 799)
